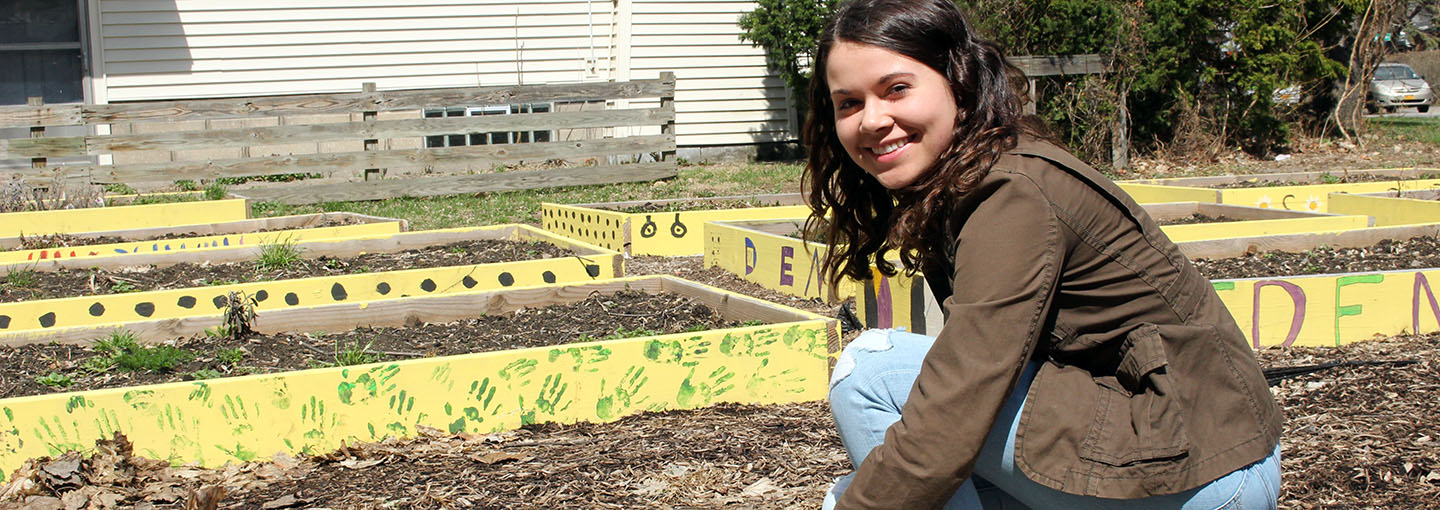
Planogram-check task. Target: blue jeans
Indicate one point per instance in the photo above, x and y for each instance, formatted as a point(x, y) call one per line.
point(872, 380)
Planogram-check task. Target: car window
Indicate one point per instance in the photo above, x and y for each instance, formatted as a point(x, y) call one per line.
point(1394, 73)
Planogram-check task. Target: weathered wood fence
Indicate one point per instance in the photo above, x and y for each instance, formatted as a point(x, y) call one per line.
point(363, 146)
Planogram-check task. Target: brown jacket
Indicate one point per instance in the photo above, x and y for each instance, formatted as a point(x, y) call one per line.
point(1146, 385)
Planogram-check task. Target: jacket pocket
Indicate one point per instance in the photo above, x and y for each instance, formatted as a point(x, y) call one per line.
point(1139, 417)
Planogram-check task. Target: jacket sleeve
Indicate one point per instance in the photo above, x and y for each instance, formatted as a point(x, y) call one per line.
point(1007, 261)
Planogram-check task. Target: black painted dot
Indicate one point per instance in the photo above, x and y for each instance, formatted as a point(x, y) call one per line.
point(97, 310)
point(47, 320)
point(548, 276)
point(428, 285)
point(145, 309)
point(291, 299)
point(186, 302)
point(507, 279)
point(383, 288)
point(337, 291)
point(219, 302)
point(593, 270)
point(4, 321)
point(468, 282)
point(261, 296)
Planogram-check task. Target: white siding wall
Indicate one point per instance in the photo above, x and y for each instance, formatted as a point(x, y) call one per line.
point(177, 49)
point(170, 49)
point(725, 94)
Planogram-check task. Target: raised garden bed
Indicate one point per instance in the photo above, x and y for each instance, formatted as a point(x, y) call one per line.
point(332, 219)
point(670, 233)
point(71, 221)
point(89, 253)
point(1355, 437)
point(782, 359)
point(79, 318)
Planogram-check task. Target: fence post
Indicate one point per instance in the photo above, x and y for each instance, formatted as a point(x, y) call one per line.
point(667, 103)
point(371, 145)
point(36, 131)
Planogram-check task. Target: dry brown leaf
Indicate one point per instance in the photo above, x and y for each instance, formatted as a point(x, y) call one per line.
point(360, 464)
point(497, 457)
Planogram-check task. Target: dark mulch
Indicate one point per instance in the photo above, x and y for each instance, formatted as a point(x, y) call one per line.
point(698, 205)
point(81, 282)
point(1339, 178)
point(1387, 255)
point(67, 240)
point(1198, 218)
point(620, 315)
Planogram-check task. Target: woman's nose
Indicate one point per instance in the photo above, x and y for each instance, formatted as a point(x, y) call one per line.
point(875, 119)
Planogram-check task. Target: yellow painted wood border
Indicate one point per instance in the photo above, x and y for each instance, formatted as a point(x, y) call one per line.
point(1152, 193)
point(1409, 208)
point(1291, 178)
point(311, 220)
point(770, 259)
point(189, 244)
point(127, 216)
point(1313, 197)
point(661, 233)
point(1232, 229)
point(74, 319)
point(1334, 309)
point(310, 411)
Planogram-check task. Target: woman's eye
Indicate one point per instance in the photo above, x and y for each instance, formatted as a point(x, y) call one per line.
point(846, 104)
point(899, 88)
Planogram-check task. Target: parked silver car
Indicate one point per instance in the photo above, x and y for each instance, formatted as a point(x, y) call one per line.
point(1395, 85)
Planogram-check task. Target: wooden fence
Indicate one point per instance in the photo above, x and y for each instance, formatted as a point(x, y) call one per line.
point(362, 146)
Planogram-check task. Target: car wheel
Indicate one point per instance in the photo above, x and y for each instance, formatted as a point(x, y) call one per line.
point(1389, 109)
point(1423, 109)
point(1371, 109)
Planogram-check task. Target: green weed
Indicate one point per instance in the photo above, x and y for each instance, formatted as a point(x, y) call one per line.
point(186, 185)
point(122, 287)
point(23, 277)
point(98, 364)
point(215, 191)
point(205, 373)
point(120, 188)
point(124, 351)
point(231, 357)
point(278, 256)
point(630, 333)
point(348, 354)
point(55, 380)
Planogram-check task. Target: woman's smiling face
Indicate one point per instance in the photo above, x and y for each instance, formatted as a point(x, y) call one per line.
point(893, 114)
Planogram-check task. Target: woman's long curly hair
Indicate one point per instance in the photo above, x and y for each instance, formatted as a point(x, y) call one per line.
point(866, 220)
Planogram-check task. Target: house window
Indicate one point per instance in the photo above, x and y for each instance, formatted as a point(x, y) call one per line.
point(493, 137)
point(41, 51)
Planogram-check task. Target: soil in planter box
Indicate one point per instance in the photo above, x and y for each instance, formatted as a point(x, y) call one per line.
point(1323, 179)
point(1387, 255)
point(39, 369)
point(699, 205)
point(1197, 218)
point(1355, 437)
point(79, 282)
point(67, 240)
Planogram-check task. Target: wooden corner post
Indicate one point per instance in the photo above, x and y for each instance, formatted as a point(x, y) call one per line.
point(667, 104)
point(368, 115)
point(36, 131)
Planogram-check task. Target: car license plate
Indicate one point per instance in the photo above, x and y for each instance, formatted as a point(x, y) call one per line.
point(1409, 98)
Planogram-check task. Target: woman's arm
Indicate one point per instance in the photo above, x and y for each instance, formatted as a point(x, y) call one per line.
point(1007, 265)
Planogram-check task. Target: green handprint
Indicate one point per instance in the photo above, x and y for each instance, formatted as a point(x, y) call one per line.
point(484, 393)
point(183, 433)
point(519, 369)
point(201, 392)
point(441, 374)
point(623, 398)
point(237, 415)
point(552, 392)
point(714, 386)
point(806, 341)
point(320, 422)
point(787, 380)
point(582, 356)
point(686, 352)
point(240, 452)
point(402, 405)
point(374, 382)
point(57, 438)
point(749, 344)
point(108, 423)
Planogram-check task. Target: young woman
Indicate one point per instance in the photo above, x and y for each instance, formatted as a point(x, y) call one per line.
point(1084, 362)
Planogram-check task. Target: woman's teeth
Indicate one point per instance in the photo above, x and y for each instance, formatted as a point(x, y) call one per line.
point(889, 148)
